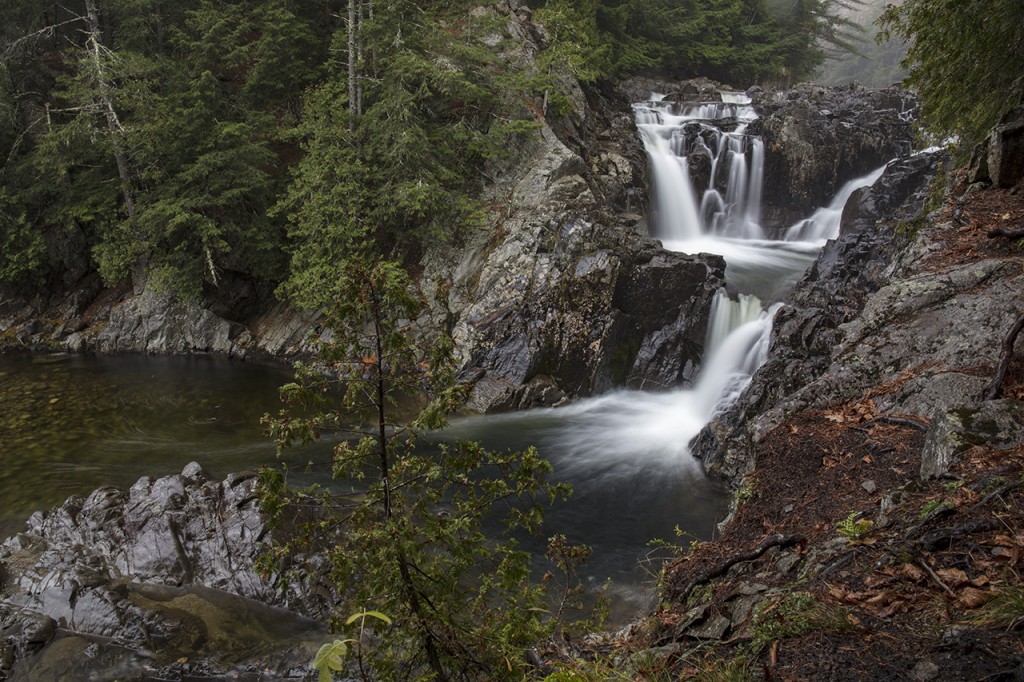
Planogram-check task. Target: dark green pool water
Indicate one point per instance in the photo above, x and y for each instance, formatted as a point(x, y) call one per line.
point(71, 423)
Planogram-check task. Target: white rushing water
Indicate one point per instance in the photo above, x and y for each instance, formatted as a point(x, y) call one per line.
point(633, 428)
point(627, 453)
point(723, 215)
point(823, 224)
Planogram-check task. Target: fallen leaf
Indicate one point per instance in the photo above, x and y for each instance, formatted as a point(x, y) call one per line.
point(953, 577)
point(1005, 540)
point(912, 573)
point(881, 599)
point(874, 581)
point(971, 598)
point(867, 459)
point(1002, 552)
point(837, 592)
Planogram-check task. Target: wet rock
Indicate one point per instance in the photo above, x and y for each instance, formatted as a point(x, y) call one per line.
point(165, 567)
point(818, 138)
point(820, 350)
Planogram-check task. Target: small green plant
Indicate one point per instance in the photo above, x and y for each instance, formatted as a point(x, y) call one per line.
point(412, 543)
point(331, 656)
point(854, 528)
point(747, 490)
point(734, 669)
point(794, 615)
point(928, 507)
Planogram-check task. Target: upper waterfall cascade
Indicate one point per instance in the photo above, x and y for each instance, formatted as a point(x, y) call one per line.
point(707, 192)
point(623, 448)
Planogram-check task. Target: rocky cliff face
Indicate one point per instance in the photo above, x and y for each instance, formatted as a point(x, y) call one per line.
point(817, 138)
point(562, 294)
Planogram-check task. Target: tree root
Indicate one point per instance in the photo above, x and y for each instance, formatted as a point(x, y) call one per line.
point(719, 569)
point(1009, 233)
point(995, 388)
point(899, 421)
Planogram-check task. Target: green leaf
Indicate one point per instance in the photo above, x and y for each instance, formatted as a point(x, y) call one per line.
point(362, 615)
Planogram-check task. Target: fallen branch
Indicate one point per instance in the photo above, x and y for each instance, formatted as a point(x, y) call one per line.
point(928, 569)
point(1009, 233)
point(1000, 492)
point(942, 538)
point(993, 390)
point(783, 541)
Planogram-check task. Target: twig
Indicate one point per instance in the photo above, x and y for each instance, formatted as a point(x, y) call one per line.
point(924, 564)
point(1000, 492)
point(993, 390)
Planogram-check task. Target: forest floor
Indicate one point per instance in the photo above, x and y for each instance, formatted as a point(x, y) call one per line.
point(839, 562)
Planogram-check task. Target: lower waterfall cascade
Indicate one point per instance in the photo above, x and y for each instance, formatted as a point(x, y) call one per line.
point(629, 450)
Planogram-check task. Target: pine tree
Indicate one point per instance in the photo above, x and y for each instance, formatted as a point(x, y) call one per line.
point(965, 60)
point(410, 545)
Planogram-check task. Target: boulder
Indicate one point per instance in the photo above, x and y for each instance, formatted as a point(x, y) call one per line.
point(148, 575)
point(996, 423)
point(817, 138)
point(1006, 150)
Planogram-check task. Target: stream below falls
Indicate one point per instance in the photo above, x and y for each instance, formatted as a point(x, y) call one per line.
point(71, 423)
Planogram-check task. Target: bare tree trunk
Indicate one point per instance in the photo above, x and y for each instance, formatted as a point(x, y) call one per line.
point(359, 62)
point(107, 103)
point(117, 142)
point(352, 101)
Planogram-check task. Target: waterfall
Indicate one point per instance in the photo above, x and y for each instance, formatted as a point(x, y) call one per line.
point(823, 224)
point(627, 453)
point(730, 195)
point(708, 175)
point(627, 429)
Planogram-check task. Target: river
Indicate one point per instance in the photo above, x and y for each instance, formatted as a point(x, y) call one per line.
point(72, 423)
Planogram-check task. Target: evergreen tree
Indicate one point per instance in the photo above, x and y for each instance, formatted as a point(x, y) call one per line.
point(411, 546)
point(965, 60)
point(397, 168)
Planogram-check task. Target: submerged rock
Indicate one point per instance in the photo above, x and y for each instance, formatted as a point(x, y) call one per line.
point(159, 575)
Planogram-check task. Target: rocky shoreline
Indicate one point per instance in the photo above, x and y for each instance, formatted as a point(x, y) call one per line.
point(158, 581)
point(560, 295)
